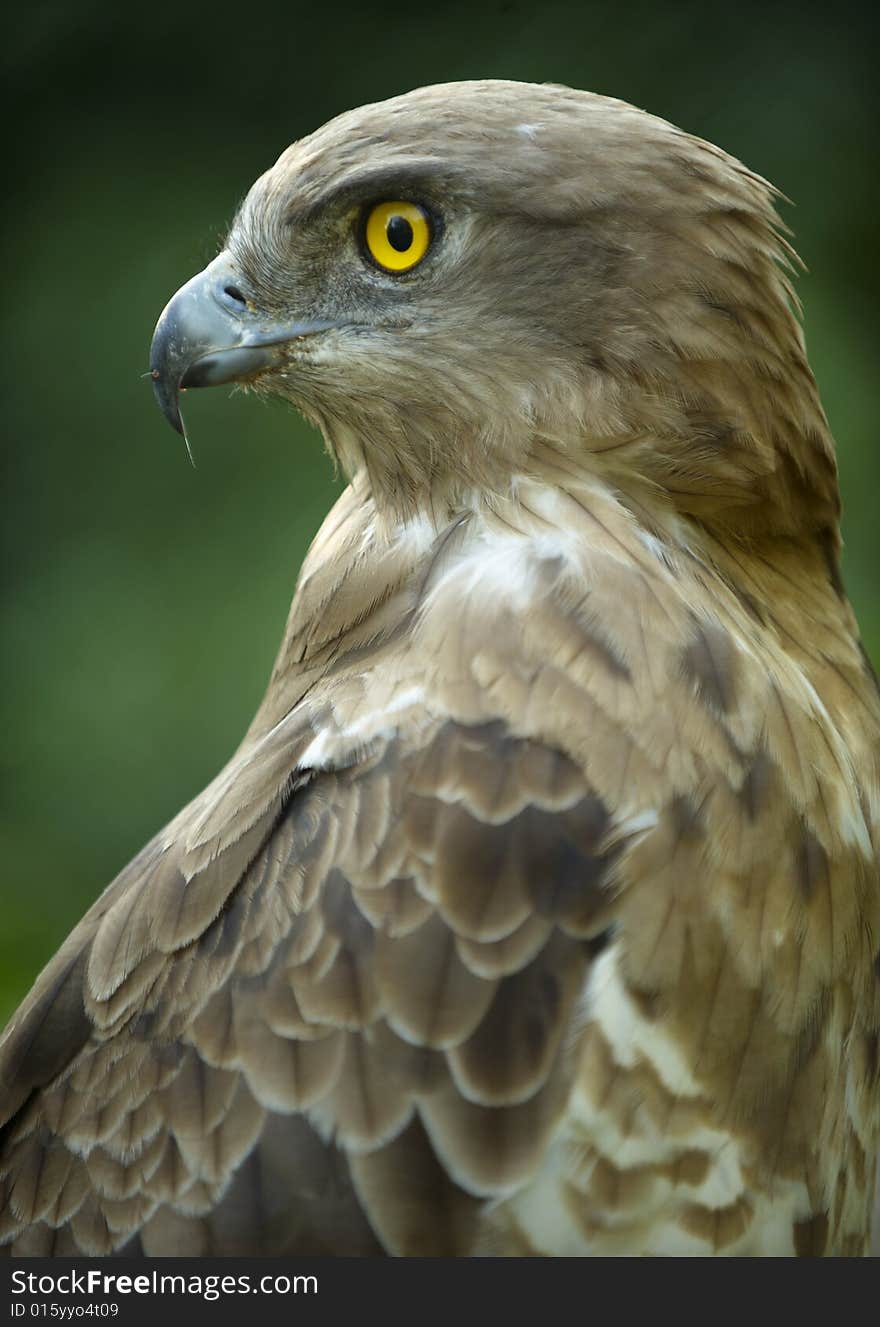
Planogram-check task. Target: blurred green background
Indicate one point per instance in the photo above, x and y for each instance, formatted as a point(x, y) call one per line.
point(144, 599)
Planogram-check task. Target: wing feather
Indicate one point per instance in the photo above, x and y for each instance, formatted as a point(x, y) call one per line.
point(580, 866)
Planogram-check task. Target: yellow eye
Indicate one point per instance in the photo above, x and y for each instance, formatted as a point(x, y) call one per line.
point(397, 235)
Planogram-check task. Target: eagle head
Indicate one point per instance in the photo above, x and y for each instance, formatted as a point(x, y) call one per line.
point(458, 282)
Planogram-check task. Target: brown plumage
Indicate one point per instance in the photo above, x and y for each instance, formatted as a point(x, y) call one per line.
point(538, 911)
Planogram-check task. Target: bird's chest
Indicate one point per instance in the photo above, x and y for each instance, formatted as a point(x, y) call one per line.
point(637, 1164)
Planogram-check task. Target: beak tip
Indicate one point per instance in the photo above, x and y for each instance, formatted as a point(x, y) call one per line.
point(171, 411)
point(167, 399)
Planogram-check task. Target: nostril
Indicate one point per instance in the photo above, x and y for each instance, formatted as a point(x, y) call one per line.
point(235, 294)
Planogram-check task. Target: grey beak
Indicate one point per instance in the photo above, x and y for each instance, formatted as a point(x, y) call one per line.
point(209, 333)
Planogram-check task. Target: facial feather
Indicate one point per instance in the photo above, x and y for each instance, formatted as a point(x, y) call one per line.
point(604, 283)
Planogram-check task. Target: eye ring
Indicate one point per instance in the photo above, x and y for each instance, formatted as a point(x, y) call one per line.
point(397, 235)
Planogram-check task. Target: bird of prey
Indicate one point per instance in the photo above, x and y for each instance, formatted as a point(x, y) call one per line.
point(538, 911)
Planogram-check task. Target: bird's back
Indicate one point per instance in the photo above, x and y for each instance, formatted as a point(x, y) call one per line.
point(536, 927)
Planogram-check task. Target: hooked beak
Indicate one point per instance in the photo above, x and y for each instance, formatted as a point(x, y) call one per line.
point(209, 334)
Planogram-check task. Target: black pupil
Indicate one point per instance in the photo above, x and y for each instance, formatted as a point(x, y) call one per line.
point(399, 233)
